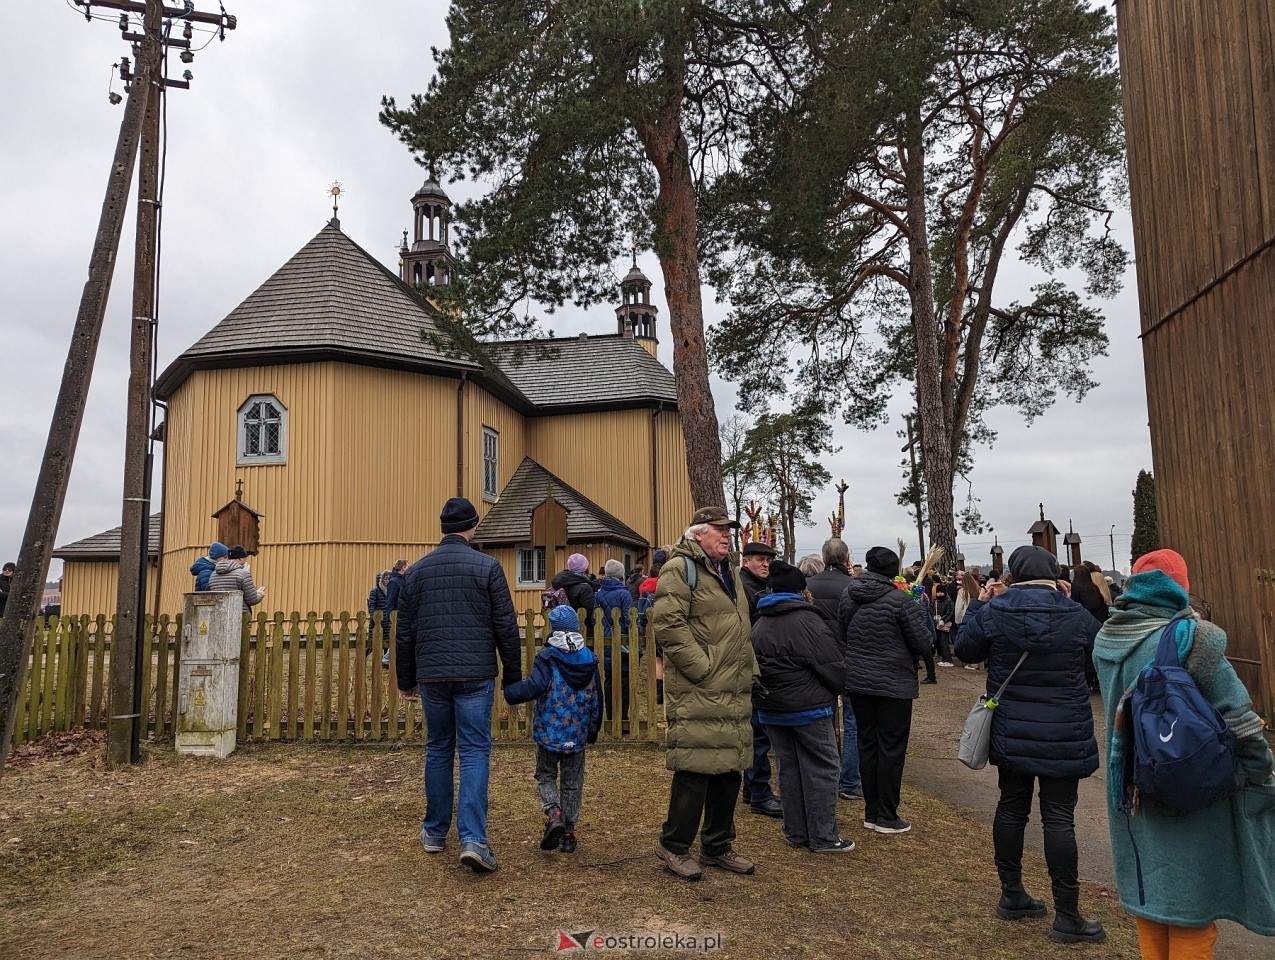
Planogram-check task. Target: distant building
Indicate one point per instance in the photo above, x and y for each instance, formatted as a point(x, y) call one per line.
point(350, 414)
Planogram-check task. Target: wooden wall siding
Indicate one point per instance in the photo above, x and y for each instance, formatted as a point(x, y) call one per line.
point(484, 410)
point(581, 448)
point(527, 599)
point(1208, 390)
point(300, 678)
point(675, 504)
point(1199, 82)
point(92, 587)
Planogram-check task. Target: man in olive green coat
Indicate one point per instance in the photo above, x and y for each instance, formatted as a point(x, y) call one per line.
point(701, 618)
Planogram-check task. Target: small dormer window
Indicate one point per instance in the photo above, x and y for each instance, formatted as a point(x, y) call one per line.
point(263, 430)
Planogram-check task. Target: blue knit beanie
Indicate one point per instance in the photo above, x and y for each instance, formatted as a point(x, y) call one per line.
point(563, 618)
point(217, 550)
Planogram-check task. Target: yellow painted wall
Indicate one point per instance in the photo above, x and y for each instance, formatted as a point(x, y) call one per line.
point(674, 484)
point(528, 598)
point(484, 410)
point(92, 587)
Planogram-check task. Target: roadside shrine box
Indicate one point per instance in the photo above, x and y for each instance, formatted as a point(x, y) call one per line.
point(549, 529)
point(238, 523)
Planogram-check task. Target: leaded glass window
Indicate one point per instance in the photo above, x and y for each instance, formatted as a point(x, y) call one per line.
point(262, 431)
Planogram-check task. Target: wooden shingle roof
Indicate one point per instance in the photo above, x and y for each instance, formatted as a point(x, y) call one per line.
point(598, 371)
point(509, 521)
point(106, 545)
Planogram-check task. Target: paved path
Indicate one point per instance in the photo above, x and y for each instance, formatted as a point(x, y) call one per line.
point(936, 731)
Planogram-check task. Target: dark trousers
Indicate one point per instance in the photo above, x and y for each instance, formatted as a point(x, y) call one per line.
point(809, 766)
point(1057, 816)
point(944, 641)
point(884, 726)
point(695, 796)
point(560, 782)
point(757, 787)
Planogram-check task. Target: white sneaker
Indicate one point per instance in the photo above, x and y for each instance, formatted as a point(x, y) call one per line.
point(945, 663)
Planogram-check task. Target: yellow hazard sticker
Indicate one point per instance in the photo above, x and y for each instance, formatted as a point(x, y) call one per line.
point(203, 627)
point(199, 698)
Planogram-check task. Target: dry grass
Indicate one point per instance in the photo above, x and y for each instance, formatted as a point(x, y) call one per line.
point(289, 850)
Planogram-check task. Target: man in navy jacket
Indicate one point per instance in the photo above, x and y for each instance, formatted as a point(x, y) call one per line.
point(455, 616)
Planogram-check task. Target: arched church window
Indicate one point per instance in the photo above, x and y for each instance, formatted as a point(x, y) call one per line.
point(263, 423)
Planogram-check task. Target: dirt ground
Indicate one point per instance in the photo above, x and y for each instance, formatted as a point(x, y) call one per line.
point(290, 850)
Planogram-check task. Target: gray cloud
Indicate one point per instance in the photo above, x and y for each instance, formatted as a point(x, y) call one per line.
point(285, 106)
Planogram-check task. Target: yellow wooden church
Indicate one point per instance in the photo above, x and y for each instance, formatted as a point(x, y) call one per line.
point(337, 408)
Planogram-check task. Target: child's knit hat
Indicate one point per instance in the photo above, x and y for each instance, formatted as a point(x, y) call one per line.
point(577, 563)
point(613, 568)
point(217, 550)
point(563, 618)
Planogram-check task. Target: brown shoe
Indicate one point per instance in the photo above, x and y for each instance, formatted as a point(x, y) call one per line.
point(685, 867)
point(729, 860)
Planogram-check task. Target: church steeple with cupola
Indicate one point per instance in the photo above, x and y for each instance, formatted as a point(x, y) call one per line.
point(428, 260)
point(636, 314)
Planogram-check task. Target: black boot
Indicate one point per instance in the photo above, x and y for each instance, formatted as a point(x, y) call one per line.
point(1017, 904)
point(1069, 926)
point(659, 691)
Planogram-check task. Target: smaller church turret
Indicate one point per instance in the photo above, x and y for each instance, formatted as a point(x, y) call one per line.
point(636, 314)
point(428, 260)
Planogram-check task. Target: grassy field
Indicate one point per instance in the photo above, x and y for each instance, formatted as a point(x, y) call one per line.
point(288, 850)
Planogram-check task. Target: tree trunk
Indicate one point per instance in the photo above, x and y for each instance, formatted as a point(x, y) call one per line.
point(676, 232)
point(936, 431)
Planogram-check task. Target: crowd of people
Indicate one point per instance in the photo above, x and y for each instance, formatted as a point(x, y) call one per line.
point(756, 654)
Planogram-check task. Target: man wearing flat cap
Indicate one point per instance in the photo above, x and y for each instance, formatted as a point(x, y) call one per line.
point(455, 619)
point(701, 618)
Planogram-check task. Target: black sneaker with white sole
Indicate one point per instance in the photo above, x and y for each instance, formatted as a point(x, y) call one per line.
point(841, 846)
point(892, 826)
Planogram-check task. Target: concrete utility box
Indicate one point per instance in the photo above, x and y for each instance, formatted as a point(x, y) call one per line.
point(208, 689)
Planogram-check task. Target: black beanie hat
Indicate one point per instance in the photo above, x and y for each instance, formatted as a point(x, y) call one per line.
point(458, 515)
point(785, 578)
point(1033, 563)
point(884, 561)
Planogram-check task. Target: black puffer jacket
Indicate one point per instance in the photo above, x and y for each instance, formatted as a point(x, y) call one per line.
point(827, 587)
point(580, 592)
point(798, 655)
point(454, 615)
point(756, 588)
point(884, 632)
point(1043, 724)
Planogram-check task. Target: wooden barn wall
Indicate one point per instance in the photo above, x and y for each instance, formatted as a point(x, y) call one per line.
point(362, 485)
point(1199, 84)
point(93, 587)
point(605, 456)
point(484, 410)
point(674, 483)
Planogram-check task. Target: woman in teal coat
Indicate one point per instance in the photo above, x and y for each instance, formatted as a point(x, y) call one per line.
point(1216, 863)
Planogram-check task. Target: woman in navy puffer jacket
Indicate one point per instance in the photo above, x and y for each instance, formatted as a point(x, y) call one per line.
point(1042, 728)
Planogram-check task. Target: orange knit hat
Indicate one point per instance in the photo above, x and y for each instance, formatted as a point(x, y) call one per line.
point(1168, 561)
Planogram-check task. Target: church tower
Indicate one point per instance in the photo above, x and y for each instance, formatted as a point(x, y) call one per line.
point(429, 259)
point(636, 314)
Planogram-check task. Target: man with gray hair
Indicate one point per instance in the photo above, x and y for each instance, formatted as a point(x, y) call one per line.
point(826, 588)
point(701, 618)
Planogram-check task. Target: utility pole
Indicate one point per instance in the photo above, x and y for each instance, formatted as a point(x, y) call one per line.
point(141, 115)
point(1113, 549)
point(915, 484)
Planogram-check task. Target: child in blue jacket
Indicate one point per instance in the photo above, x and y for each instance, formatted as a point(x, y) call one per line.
point(202, 569)
point(565, 684)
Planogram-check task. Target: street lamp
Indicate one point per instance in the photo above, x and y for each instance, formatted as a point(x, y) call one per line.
point(1113, 548)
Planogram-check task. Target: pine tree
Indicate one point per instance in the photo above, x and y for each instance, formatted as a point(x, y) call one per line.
point(1146, 522)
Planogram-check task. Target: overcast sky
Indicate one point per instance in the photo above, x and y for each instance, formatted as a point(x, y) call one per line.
point(284, 107)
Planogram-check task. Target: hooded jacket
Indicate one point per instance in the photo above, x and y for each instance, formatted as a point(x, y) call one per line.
point(798, 654)
point(233, 575)
point(580, 592)
point(883, 632)
point(554, 725)
point(202, 570)
point(1043, 723)
point(708, 664)
point(1216, 863)
point(614, 595)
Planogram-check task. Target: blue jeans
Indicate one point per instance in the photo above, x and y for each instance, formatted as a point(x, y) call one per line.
point(849, 748)
point(457, 715)
point(757, 787)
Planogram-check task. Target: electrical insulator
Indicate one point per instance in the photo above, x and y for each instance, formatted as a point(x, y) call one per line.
point(124, 74)
point(187, 76)
point(123, 23)
point(188, 31)
point(187, 57)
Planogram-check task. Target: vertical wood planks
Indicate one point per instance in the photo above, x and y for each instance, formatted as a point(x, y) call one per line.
point(311, 674)
point(343, 690)
point(245, 678)
point(294, 673)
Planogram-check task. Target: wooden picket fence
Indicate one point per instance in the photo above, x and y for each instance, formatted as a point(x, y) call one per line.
point(300, 678)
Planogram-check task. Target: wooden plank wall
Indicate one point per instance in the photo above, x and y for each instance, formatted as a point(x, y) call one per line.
point(1199, 85)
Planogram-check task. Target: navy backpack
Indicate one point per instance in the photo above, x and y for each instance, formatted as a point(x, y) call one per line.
point(1183, 753)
